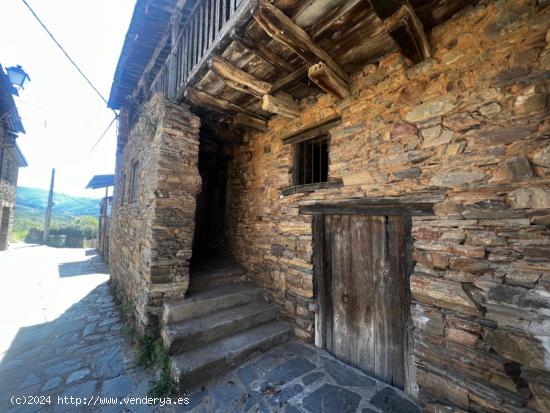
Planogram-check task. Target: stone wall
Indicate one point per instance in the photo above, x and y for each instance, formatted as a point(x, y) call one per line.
point(471, 125)
point(151, 238)
point(8, 185)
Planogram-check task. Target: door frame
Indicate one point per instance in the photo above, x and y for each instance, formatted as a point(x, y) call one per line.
point(405, 206)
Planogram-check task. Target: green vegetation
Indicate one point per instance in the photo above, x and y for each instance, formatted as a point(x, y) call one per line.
point(71, 216)
point(85, 227)
point(149, 352)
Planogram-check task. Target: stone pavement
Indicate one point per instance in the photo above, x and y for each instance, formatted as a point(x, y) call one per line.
point(297, 377)
point(81, 352)
point(63, 331)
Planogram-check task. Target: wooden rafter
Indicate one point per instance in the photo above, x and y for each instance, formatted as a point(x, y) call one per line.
point(289, 79)
point(237, 78)
point(280, 105)
point(404, 27)
point(248, 122)
point(327, 80)
point(282, 29)
point(203, 99)
point(263, 52)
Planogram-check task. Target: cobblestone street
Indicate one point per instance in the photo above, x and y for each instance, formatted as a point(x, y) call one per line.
point(63, 338)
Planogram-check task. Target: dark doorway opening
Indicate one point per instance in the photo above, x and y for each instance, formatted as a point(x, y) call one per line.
point(208, 238)
point(4, 227)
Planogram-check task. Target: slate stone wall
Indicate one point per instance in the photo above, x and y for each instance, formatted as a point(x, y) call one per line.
point(7, 189)
point(470, 129)
point(151, 238)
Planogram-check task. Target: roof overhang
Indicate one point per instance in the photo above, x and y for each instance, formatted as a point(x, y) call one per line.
point(8, 110)
point(101, 181)
point(150, 21)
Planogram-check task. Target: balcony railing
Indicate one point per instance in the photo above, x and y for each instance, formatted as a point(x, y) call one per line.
point(206, 28)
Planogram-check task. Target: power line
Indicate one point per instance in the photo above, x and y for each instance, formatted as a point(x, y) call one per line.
point(102, 135)
point(66, 54)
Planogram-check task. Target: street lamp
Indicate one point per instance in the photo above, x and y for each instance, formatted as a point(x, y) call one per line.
point(18, 77)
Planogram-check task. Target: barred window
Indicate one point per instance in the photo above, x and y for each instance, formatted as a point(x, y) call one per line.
point(134, 183)
point(311, 161)
point(123, 192)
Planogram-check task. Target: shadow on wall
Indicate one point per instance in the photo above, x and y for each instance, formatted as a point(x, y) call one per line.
point(70, 355)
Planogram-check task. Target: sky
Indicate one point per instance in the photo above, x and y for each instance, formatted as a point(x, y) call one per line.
point(63, 117)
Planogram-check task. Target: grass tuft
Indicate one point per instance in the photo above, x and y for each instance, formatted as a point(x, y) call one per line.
point(151, 352)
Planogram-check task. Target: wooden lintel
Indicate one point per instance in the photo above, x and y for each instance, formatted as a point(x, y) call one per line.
point(324, 77)
point(248, 122)
point(263, 52)
point(200, 98)
point(281, 106)
point(237, 78)
point(289, 79)
point(366, 208)
point(282, 29)
point(404, 27)
point(310, 131)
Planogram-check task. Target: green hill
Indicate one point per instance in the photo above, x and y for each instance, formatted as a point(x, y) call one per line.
point(30, 208)
point(37, 199)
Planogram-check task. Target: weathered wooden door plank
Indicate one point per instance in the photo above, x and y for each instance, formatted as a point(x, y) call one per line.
point(363, 293)
point(382, 323)
point(398, 297)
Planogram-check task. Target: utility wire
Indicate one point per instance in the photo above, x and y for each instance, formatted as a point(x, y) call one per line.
point(66, 54)
point(76, 200)
point(102, 135)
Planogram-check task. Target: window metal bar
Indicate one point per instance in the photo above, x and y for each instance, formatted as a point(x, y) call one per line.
point(312, 157)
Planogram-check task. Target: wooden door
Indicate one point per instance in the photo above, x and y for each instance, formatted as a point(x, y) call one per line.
point(366, 293)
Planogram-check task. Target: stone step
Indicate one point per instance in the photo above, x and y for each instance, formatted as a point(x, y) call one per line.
point(191, 334)
point(193, 368)
point(209, 301)
point(216, 272)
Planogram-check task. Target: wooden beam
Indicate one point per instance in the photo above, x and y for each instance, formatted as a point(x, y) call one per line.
point(404, 27)
point(327, 80)
point(237, 78)
point(221, 132)
point(203, 99)
point(281, 106)
point(263, 52)
point(282, 29)
point(312, 131)
point(248, 122)
point(289, 79)
point(357, 208)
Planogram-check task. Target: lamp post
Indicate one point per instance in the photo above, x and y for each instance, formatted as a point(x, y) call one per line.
point(18, 78)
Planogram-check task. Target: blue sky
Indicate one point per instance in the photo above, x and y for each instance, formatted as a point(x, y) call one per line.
point(62, 115)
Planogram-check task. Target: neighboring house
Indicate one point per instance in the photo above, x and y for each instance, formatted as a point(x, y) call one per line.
point(105, 212)
point(380, 168)
point(11, 158)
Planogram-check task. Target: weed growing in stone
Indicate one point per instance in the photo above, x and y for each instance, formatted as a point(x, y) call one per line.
point(150, 352)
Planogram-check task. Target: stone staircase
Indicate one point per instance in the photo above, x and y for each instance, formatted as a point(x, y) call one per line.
point(218, 326)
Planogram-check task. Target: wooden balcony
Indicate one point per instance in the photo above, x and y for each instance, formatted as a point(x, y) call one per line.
point(205, 31)
point(239, 62)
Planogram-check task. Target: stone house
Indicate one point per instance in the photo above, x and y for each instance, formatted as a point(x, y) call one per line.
point(379, 169)
point(11, 158)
